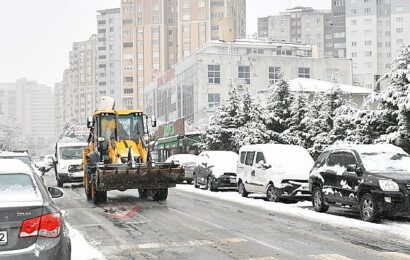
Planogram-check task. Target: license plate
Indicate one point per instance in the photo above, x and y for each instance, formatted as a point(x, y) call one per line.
point(232, 180)
point(3, 238)
point(77, 174)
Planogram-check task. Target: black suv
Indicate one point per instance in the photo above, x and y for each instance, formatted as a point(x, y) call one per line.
point(375, 179)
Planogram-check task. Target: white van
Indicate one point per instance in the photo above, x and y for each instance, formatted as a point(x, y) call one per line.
point(279, 171)
point(68, 162)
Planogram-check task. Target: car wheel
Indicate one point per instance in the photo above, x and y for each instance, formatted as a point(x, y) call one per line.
point(368, 209)
point(242, 190)
point(272, 193)
point(211, 184)
point(142, 193)
point(196, 184)
point(318, 200)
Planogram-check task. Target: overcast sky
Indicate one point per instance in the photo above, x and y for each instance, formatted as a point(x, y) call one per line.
point(36, 35)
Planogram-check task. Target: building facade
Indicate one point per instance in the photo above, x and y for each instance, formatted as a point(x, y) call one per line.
point(81, 79)
point(108, 60)
point(301, 25)
point(375, 32)
point(192, 87)
point(32, 105)
point(156, 34)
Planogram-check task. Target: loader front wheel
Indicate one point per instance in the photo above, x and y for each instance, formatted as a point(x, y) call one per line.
point(88, 190)
point(97, 196)
point(160, 195)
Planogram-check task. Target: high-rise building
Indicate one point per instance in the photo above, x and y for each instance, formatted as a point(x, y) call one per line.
point(375, 32)
point(339, 28)
point(81, 78)
point(109, 55)
point(31, 104)
point(156, 34)
point(301, 25)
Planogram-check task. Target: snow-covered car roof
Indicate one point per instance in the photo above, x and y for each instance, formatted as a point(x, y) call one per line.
point(368, 148)
point(13, 166)
point(266, 148)
point(14, 154)
point(183, 158)
point(71, 144)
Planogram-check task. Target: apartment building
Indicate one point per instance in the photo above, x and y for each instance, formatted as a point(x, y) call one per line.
point(81, 79)
point(192, 87)
point(301, 25)
point(32, 105)
point(156, 34)
point(375, 32)
point(108, 62)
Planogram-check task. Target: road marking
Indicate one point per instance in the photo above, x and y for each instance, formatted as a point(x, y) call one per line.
point(395, 255)
point(129, 214)
point(330, 257)
point(189, 243)
point(230, 231)
point(264, 258)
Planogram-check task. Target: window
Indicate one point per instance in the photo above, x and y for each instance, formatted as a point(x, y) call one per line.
point(367, 21)
point(368, 54)
point(348, 159)
point(354, 22)
point(243, 154)
point(304, 73)
point(400, 41)
point(214, 100)
point(399, 19)
point(399, 30)
point(244, 72)
point(249, 158)
point(334, 159)
point(260, 157)
point(274, 74)
point(128, 44)
point(368, 43)
point(128, 91)
point(128, 79)
point(214, 74)
point(367, 10)
point(354, 44)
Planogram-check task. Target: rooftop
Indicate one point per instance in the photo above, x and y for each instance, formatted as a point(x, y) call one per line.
point(315, 85)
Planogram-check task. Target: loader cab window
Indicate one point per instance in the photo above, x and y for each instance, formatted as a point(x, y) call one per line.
point(108, 127)
point(130, 127)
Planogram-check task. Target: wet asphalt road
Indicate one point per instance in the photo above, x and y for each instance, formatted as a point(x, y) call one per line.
point(194, 226)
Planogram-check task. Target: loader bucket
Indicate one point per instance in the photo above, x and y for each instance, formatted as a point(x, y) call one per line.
point(138, 176)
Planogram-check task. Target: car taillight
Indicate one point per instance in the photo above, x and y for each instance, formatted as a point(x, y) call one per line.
point(45, 226)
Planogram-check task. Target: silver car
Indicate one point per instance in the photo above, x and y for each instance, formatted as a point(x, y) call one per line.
point(188, 162)
point(31, 226)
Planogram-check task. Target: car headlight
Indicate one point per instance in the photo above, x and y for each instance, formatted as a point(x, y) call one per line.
point(387, 185)
point(65, 167)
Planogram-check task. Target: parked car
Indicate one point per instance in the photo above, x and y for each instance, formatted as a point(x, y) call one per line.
point(26, 159)
point(279, 171)
point(68, 164)
point(31, 226)
point(216, 170)
point(375, 179)
point(188, 162)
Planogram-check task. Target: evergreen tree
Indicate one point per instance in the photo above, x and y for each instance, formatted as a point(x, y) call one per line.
point(277, 110)
point(297, 132)
point(224, 122)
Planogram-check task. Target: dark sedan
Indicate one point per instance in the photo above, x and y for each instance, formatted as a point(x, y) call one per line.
point(31, 226)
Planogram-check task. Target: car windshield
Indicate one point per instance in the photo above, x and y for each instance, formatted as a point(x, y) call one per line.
point(17, 188)
point(71, 153)
point(130, 127)
point(386, 162)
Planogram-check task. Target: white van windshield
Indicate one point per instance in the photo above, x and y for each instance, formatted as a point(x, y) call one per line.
point(71, 153)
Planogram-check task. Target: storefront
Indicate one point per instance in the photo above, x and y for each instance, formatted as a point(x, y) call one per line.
point(172, 139)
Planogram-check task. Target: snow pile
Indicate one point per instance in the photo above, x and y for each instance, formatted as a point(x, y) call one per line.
point(80, 249)
point(300, 211)
point(183, 158)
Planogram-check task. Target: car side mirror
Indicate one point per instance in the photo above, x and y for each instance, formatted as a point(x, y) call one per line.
point(55, 192)
point(359, 171)
point(42, 169)
point(153, 121)
point(351, 168)
point(90, 122)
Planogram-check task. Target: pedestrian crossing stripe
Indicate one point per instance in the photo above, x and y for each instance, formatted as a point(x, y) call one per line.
point(190, 243)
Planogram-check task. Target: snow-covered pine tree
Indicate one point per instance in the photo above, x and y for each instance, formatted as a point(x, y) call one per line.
point(277, 111)
point(224, 123)
point(395, 102)
point(253, 130)
point(298, 129)
point(11, 134)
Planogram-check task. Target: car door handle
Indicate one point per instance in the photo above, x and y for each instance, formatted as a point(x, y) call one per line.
point(253, 173)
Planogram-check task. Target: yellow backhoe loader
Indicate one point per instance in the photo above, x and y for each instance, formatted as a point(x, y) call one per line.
point(118, 157)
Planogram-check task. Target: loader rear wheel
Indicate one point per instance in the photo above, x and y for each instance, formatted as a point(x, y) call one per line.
point(87, 190)
point(97, 196)
point(160, 194)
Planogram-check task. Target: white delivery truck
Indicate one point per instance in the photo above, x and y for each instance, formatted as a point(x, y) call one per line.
point(68, 163)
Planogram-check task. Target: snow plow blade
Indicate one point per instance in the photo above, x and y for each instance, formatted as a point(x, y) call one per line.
point(138, 176)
